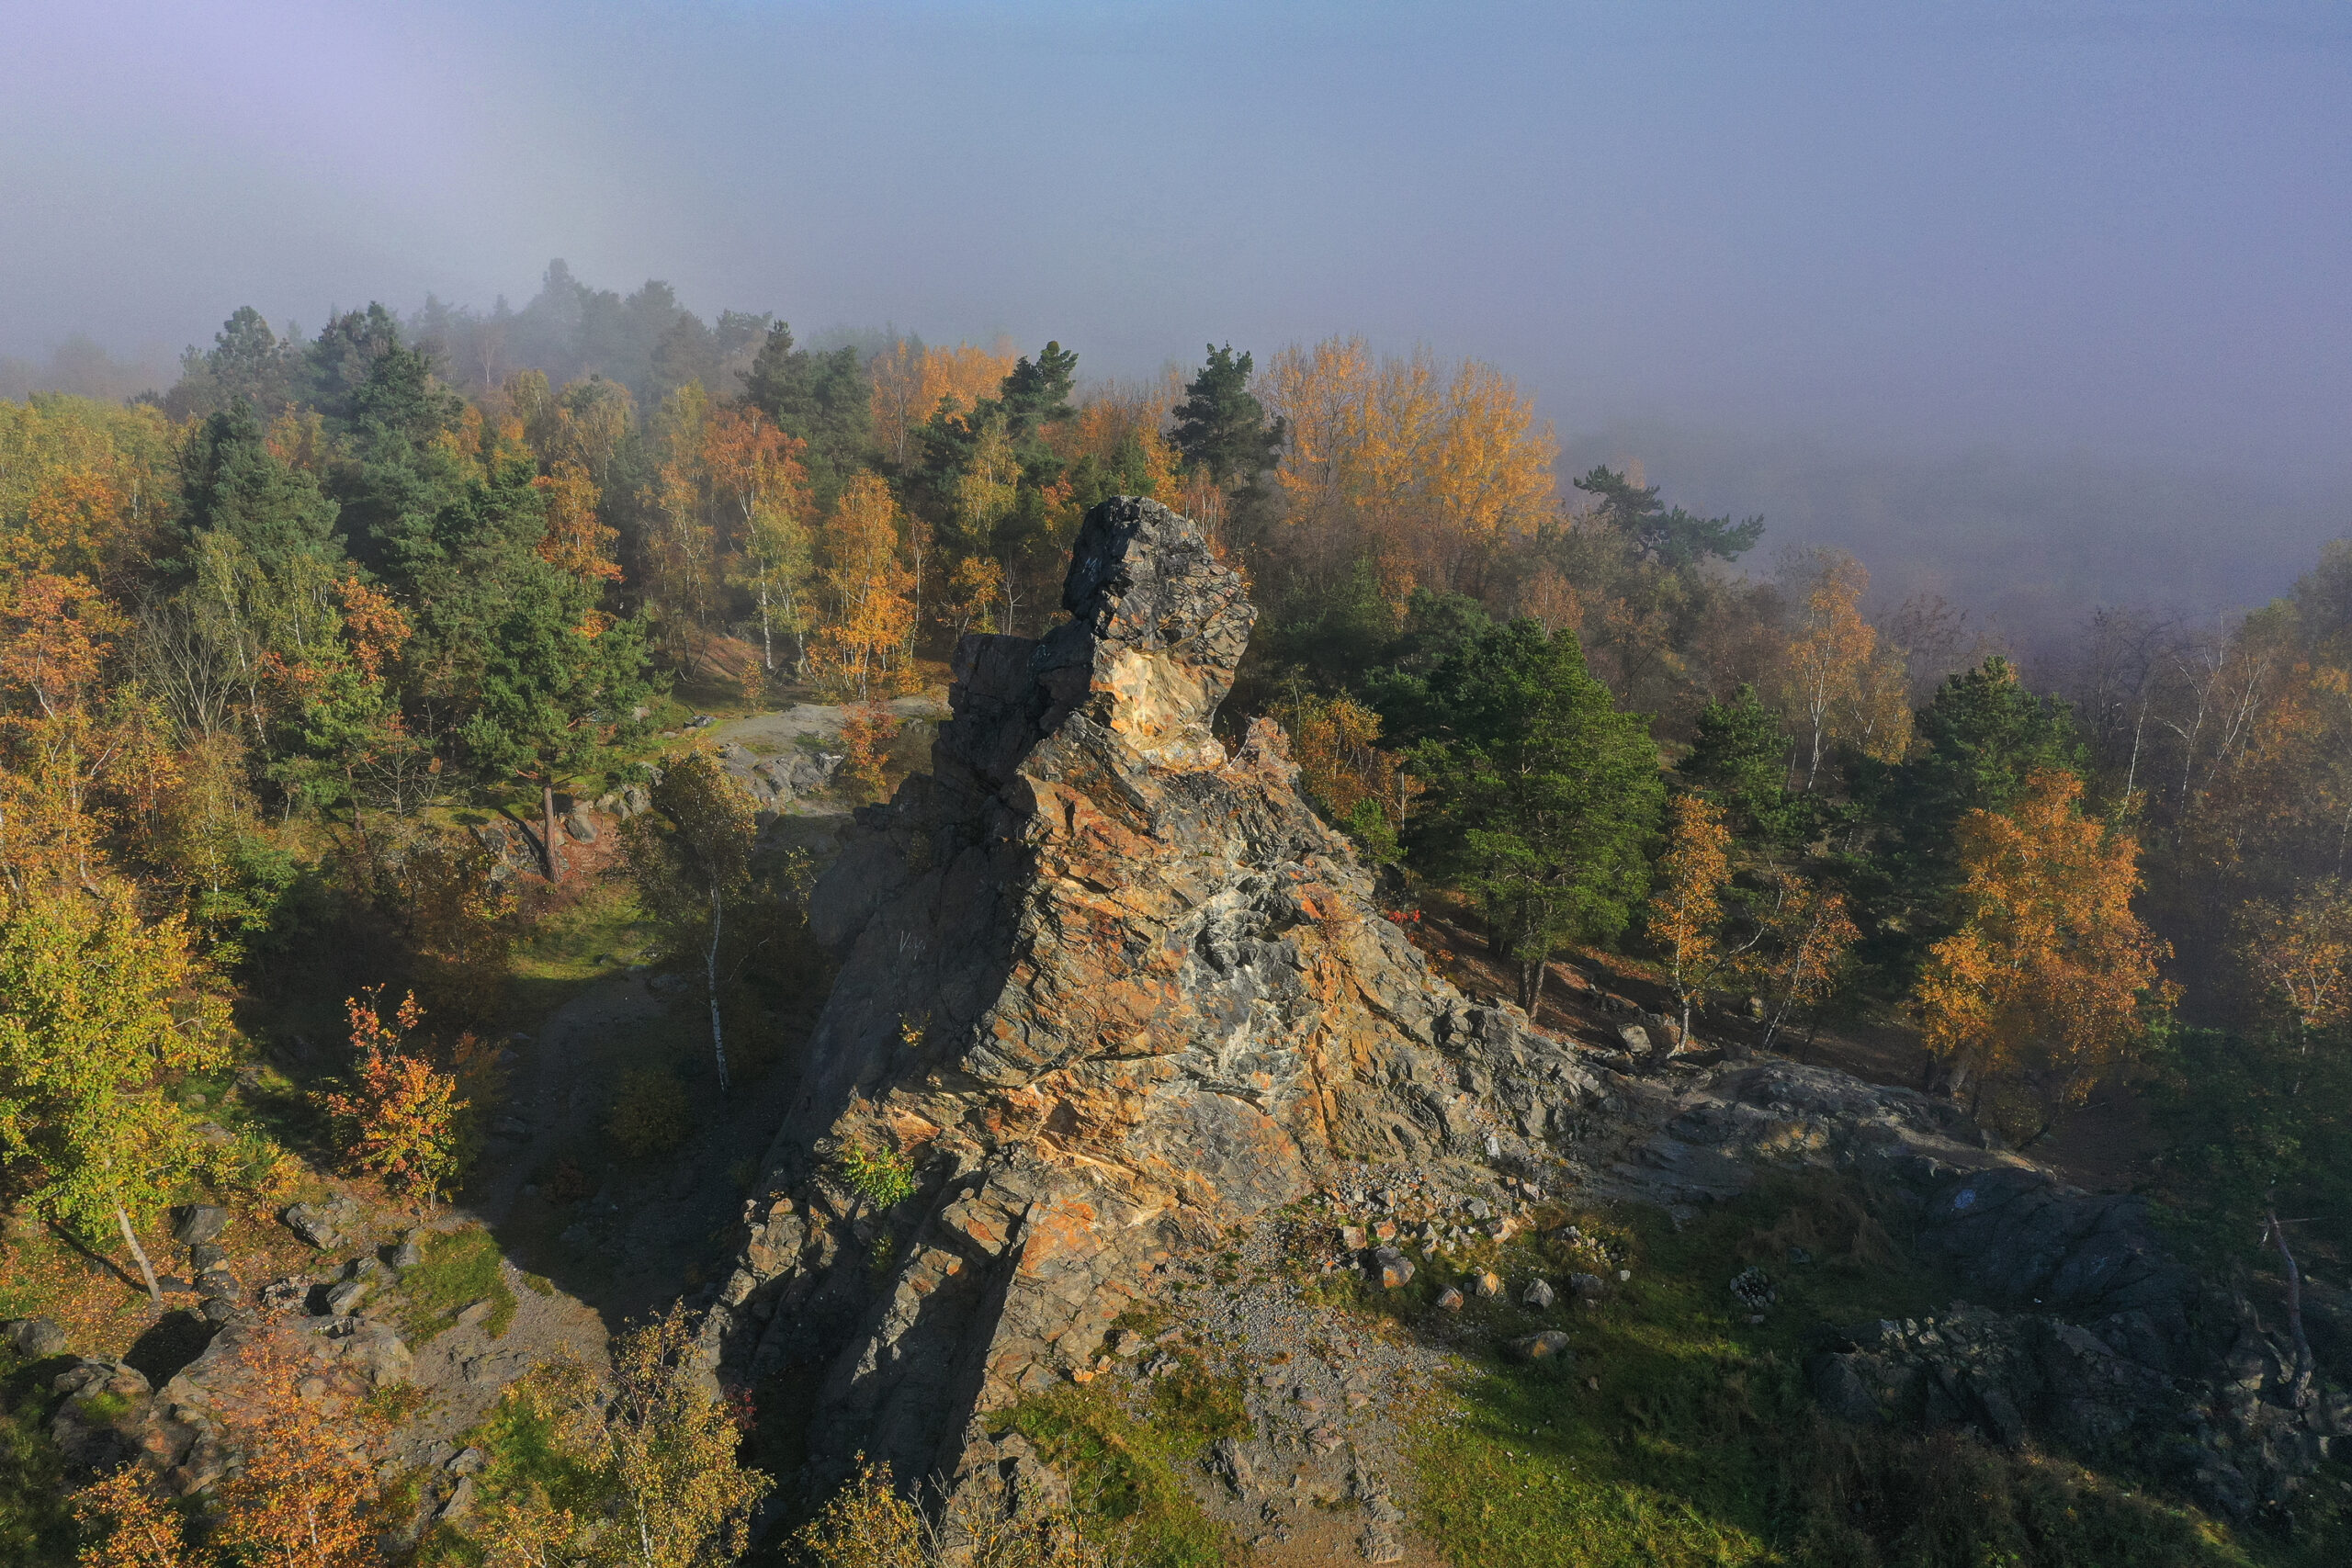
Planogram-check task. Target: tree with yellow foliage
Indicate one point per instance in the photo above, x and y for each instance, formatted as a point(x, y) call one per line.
point(758, 483)
point(577, 538)
point(70, 751)
point(1688, 922)
point(1807, 935)
point(867, 616)
point(654, 1452)
point(2049, 978)
point(2300, 959)
point(96, 1007)
point(1840, 684)
point(1423, 464)
point(912, 382)
point(1361, 787)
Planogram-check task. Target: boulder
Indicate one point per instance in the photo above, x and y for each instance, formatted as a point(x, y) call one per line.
point(1230, 1461)
point(201, 1224)
point(35, 1339)
point(1391, 1267)
point(1449, 1299)
point(322, 1224)
point(1551, 1345)
point(1538, 1295)
point(1487, 1283)
point(287, 1294)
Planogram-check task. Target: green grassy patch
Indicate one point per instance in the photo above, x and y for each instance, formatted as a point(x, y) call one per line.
point(523, 1441)
point(396, 1404)
point(459, 1269)
point(36, 1528)
point(1128, 1474)
point(582, 938)
point(1684, 1434)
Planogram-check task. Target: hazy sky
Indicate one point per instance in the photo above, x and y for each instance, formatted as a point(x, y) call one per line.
point(2118, 231)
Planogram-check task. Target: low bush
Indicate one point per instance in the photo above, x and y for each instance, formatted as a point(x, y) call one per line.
point(649, 1115)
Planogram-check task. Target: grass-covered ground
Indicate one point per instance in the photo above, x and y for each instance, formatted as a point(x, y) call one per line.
point(1680, 1433)
point(1129, 1472)
point(1684, 1434)
point(460, 1267)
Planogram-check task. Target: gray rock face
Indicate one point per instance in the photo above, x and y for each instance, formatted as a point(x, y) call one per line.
point(1158, 999)
point(2110, 1347)
point(185, 1428)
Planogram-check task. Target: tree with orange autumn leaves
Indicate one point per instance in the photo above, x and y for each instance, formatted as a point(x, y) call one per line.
point(860, 644)
point(1417, 464)
point(74, 758)
point(304, 1495)
point(2051, 976)
point(2299, 960)
point(399, 1118)
point(912, 382)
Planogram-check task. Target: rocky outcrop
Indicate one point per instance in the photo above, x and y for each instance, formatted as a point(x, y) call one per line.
point(1107, 989)
point(110, 1413)
point(2096, 1339)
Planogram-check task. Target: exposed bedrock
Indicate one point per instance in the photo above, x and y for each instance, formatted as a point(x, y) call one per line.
point(1110, 989)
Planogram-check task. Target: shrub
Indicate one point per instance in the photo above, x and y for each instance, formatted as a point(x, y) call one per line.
point(883, 1178)
point(649, 1115)
point(400, 1120)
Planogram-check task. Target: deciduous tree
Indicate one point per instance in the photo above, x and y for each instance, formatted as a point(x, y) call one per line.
point(691, 860)
point(2049, 978)
point(1688, 921)
point(97, 1006)
point(399, 1119)
point(2300, 959)
point(1841, 685)
point(867, 616)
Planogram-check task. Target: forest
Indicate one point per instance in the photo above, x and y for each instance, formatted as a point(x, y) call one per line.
point(279, 640)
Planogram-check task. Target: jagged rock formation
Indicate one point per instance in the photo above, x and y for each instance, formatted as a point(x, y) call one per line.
point(1110, 989)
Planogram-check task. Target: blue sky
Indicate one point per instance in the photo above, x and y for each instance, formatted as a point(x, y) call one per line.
point(2091, 232)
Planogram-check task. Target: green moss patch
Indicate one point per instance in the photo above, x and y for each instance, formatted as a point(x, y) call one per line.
point(1127, 1475)
point(460, 1267)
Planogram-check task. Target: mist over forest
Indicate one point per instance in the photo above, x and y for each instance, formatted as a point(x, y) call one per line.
point(1230, 783)
point(2026, 543)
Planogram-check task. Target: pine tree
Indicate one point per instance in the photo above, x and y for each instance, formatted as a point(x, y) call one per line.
point(1221, 427)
